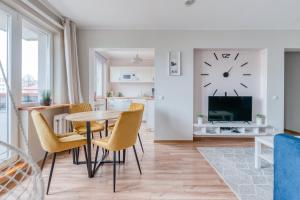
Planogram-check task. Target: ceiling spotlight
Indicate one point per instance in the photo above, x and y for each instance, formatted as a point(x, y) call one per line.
point(189, 2)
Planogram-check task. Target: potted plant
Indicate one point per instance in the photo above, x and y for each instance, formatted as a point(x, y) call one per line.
point(260, 119)
point(45, 98)
point(200, 119)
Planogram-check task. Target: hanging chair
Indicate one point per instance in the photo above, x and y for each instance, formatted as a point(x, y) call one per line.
point(20, 176)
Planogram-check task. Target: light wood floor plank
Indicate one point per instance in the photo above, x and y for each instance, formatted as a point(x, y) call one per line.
point(172, 171)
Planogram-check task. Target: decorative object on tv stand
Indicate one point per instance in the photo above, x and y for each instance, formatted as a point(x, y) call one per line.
point(200, 119)
point(45, 98)
point(174, 63)
point(260, 119)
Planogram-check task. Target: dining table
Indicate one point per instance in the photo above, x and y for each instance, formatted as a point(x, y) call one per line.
point(89, 117)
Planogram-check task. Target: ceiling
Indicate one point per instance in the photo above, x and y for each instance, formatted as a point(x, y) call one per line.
point(127, 53)
point(173, 14)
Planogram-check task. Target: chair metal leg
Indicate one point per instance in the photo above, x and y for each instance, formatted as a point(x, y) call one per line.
point(51, 172)
point(100, 134)
point(124, 155)
point(92, 135)
point(96, 157)
point(137, 159)
point(44, 160)
point(74, 156)
point(85, 154)
point(114, 175)
point(119, 156)
point(77, 155)
point(141, 142)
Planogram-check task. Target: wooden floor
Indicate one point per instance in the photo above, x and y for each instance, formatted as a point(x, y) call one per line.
point(170, 171)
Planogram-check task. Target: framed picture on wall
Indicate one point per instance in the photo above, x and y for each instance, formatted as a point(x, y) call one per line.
point(174, 63)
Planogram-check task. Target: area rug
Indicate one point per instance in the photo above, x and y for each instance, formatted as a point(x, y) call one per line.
point(236, 167)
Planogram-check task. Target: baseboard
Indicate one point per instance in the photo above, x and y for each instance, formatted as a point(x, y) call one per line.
point(173, 141)
point(242, 139)
point(291, 132)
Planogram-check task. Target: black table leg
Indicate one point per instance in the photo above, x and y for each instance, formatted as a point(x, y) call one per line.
point(106, 128)
point(88, 140)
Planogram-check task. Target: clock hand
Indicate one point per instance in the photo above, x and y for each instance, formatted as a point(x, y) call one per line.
point(229, 69)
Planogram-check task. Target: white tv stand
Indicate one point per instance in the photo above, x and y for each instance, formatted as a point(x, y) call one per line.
point(231, 129)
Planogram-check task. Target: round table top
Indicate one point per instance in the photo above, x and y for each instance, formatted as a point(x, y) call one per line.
point(93, 116)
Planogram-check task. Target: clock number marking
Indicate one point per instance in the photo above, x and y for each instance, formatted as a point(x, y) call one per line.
point(207, 84)
point(207, 64)
point(215, 92)
point(246, 63)
point(216, 56)
point(244, 85)
point(247, 74)
point(204, 74)
point(226, 55)
point(236, 92)
point(237, 55)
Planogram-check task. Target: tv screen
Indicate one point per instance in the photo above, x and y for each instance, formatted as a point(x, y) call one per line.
point(230, 108)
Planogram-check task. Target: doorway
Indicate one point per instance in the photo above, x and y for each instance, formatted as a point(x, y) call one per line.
point(292, 91)
point(121, 76)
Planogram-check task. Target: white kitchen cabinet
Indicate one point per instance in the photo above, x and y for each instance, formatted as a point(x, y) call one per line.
point(120, 74)
point(151, 114)
point(118, 104)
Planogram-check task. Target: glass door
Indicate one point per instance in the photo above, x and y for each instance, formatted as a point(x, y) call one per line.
point(4, 106)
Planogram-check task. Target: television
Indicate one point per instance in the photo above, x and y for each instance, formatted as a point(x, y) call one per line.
point(230, 108)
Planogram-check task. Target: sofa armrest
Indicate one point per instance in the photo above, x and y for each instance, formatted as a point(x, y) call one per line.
point(286, 167)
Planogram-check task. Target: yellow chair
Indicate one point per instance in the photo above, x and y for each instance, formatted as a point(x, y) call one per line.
point(138, 106)
point(80, 127)
point(53, 144)
point(123, 136)
point(133, 106)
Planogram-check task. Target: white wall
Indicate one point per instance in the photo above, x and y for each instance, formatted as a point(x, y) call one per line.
point(174, 114)
point(292, 92)
point(256, 86)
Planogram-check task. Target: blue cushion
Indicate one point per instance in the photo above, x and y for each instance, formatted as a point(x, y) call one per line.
point(286, 167)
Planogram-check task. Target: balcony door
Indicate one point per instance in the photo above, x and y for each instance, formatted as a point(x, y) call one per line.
point(5, 21)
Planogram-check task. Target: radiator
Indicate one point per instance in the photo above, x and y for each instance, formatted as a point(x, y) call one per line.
point(60, 124)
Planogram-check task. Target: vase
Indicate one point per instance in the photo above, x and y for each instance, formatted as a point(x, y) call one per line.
point(259, 121)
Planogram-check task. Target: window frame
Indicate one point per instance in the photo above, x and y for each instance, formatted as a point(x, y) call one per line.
point(40, 29)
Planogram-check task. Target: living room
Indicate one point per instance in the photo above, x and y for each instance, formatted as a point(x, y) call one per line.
point(225, 82)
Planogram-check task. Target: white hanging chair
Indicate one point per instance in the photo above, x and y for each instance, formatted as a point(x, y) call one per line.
point(20, 176)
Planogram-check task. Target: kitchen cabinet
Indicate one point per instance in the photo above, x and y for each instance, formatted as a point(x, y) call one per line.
point(122, 104)
point(151, 114)
point(120, 74)
point(119, 104)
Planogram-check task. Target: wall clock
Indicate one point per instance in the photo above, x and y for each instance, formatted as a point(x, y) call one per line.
point(226, 72)
point(231, 72)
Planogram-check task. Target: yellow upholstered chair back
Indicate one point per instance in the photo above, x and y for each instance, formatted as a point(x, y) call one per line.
point(46, 135)
point(136, 106)
point(81, 107)
point(125, 131)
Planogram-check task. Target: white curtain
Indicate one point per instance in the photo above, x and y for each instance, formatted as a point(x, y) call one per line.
point(71, 57)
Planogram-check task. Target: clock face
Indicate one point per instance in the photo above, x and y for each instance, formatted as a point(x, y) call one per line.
point(226, 73)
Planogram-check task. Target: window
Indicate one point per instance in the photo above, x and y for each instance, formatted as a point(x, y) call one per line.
point(4, 109)
point(98, 73)
point(35, 62)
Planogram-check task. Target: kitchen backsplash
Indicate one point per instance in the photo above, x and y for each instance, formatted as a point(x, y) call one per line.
point(132, 89)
